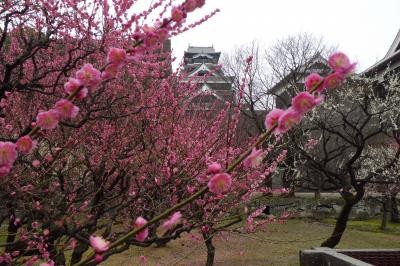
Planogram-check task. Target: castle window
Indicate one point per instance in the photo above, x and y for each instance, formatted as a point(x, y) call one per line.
point(202, 73)
point(380, 91)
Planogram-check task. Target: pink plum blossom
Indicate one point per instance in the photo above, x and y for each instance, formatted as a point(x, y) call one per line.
point(47, 119)
point(98, 258)
point(173, 220)
point(339, 62)
point(49, 263)
point(73, 243)
point(333, 80)
point(25, 144)
point(6, 258)
point(142, 259)
point(4, 170)
point(66, 109)
point(304, 102)
point(99, 244)
point(273, 117)
point(314, 81)
point(151, 39)
point(142, 235)
point(254, 159)
point(200, 3)
point(288, 119)
point(36, 163)
point(220, 183)
point(35, 225)
point(48, 157)
point(110, 72)
point(3, 103)
point(8, 154)
point(177, 14)
point(31, 261)
point(89, 76)
point(116, 56)
point(190, 5)
point(214, 168)
point(74, 84)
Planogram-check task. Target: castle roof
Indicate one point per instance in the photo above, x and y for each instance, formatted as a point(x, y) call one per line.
point(200, 50)
point(391, 58)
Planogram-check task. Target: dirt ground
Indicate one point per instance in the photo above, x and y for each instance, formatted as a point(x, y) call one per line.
point(277, 244)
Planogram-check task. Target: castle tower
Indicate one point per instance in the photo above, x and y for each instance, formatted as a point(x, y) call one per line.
point(203, 61)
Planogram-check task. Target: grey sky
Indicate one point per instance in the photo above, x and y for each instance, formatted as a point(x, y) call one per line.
point(364, 29)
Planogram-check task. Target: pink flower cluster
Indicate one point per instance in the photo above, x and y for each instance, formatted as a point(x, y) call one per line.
point(172, 221)
point(74, 85)
point(254, 159)
point(219, 182)
point(86, 77)
point(63, 109)
point(8, 152)
point(179, 13)
point(341, 67)
point(116, 58)
point(25, 144)
point(8, 155)
point(282, 120)
point(142, 235)
point(100, 245)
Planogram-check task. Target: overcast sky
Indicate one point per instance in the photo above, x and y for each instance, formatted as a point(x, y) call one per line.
point(364, 29)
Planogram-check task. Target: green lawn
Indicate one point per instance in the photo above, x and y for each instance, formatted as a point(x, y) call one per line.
point(276, 245)
point(370, 226)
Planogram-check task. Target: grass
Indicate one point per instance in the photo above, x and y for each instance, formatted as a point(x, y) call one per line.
point(277, 244)
point(373, 225)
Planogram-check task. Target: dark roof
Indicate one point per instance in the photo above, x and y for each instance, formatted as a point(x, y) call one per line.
point(317, 60)
point(200, 50)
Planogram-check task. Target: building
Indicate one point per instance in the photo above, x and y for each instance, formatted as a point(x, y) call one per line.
point(386, 67)
point(389, 63)
point(293, 82)
point(201, 65)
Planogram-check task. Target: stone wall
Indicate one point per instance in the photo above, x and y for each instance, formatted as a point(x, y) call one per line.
point(329, 206)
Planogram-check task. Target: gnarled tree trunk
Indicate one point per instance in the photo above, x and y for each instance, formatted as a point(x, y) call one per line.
point(341, 221)
point(386, 206)
point(394, 217)
point(210, 249)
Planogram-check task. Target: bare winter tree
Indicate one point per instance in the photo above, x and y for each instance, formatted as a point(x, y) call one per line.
point(291, 58)
point(256, 98)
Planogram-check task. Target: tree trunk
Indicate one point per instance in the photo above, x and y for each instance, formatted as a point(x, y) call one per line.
point(78, 252)
point(11, 234)
point(59, 258)
point(341, 221)
point(210, 249)
point(394, 217)
point(317, 197)
point(385, 212)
